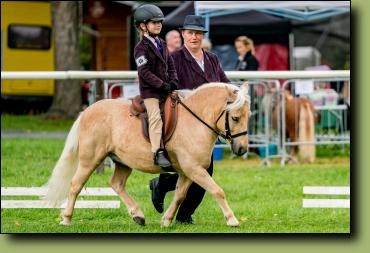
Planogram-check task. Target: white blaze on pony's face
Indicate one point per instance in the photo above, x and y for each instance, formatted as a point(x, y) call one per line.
point(239, 113)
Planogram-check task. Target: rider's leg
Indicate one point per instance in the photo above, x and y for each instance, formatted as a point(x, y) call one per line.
point(155, 131)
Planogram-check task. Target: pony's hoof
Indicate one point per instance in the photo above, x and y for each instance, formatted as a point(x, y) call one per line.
point(292, 160)
point(65, 223)
point(165, 223)
point(233, 222)
point(139, 220)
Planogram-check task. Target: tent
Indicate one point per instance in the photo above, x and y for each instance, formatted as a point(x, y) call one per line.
point(267, 23)
point(225, 29)
point(269, 33)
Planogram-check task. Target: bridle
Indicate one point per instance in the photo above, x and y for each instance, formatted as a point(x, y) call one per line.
point(227, 135)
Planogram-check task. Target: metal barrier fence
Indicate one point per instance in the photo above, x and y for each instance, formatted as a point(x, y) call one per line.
point(332, 107)
point(263, 135)
point(263, 139)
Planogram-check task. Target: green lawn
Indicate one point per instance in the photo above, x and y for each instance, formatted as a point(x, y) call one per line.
point(33, 123)
point(265, 200)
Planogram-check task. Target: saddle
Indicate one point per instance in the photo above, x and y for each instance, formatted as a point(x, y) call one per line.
point(168, 113)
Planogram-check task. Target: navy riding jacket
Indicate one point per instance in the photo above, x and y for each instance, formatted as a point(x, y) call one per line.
point(154, 68)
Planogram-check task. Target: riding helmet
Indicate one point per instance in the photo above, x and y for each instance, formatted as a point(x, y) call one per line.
point(146, 13)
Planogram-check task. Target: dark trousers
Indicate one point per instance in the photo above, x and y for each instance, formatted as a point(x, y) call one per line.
point(195, 194)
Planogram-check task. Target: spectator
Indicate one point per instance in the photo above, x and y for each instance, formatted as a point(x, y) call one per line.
point(206, 44)
point(247, 60)
point(173, 40)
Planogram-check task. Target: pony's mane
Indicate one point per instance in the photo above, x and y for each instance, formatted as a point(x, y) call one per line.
point(242, 95)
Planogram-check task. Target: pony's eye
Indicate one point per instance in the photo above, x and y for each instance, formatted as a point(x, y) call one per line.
point(236, 119)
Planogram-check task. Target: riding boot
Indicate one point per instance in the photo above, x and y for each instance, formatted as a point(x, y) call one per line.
point(157, 194)
point(160, 186)
point(160, 159)
point(187, 220)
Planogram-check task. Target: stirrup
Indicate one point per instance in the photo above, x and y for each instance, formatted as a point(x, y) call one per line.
point(160, 159)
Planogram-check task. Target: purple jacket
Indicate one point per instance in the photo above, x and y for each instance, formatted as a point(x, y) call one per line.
point(191, 76)
point(154, 69)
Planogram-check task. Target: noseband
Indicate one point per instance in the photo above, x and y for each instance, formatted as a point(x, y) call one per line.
point(227, 135)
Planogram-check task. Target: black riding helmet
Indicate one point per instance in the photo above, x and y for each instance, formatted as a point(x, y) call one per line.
point(146, 13)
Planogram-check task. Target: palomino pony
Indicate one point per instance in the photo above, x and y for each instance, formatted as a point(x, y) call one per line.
point(300, 117)
point(106, 128)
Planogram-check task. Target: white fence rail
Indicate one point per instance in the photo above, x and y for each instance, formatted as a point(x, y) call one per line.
point(44, 204)
point(327, 190)
point(326, 203)
point(41, 191)
point(64, 75)
point(72, 74)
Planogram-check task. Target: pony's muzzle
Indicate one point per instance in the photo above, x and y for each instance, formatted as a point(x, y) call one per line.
point(239, 149)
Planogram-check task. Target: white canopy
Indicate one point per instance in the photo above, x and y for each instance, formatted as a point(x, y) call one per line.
point(301, 10)
point(298, 5)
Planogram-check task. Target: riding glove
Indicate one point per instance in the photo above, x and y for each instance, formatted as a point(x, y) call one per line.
point(166, 88)
point(173, 84)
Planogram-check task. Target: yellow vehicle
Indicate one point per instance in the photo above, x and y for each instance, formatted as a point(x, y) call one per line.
point(26, 45)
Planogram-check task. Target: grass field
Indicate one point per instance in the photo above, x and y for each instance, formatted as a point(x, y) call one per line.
point(31, 123)
point(265, 200)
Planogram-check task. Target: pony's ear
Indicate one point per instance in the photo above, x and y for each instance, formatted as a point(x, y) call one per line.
point(245, 86)
point(232, 92)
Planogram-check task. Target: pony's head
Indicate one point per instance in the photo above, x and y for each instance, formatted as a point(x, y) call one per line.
point(231, 111)
point(236, 118)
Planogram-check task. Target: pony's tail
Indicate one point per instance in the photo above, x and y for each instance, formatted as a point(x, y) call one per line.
point(307, 152)
point(60, 180)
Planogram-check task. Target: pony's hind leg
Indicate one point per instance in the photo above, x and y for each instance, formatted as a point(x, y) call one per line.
point(88, 162)
point(118, 183)
point(182, 187)
point(78, 181)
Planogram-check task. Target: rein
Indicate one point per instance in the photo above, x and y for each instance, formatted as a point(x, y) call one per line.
point(228, 136)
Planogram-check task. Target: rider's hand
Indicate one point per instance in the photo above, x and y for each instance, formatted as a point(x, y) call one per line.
point(173, 84)
point(165, 88)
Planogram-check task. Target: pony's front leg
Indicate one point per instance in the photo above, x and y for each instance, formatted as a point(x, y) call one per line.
point(200, 176)
point(182, 186)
